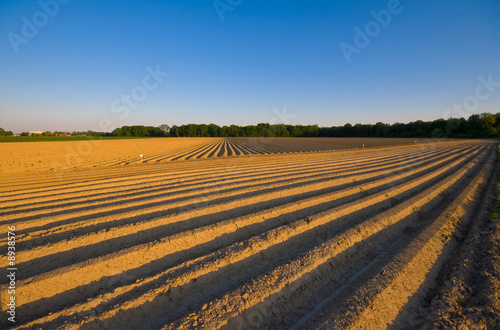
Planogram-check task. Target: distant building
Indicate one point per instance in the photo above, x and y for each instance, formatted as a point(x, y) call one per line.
point(35, 132)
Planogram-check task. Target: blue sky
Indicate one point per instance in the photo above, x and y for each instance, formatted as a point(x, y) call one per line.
point(244, 62)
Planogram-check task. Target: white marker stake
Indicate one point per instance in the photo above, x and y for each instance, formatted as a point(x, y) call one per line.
point(141, 158)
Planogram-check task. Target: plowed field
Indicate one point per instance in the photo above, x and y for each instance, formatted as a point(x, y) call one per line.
point(56, 157)
point(282, 236)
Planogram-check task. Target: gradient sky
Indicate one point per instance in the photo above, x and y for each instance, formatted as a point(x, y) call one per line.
point(265, 61)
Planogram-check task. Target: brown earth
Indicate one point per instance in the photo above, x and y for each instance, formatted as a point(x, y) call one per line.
point(281, 236)
point(20, 158)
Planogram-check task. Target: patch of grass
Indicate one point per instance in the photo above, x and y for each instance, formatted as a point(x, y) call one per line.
point(493, 210)
point(496, 232)
point(67, 138)
point(498, 152)
point(494, 206)
point(493, 323)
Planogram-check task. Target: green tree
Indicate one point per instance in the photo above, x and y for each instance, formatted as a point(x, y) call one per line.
point(174, 131)
point(165, 128)
point(233, 131)
point(381, 130)
point(213, 130)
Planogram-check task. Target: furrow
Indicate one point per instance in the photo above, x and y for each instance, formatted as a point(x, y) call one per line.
point(152, 189)
point(321, 184)
point(96, 244)
point(384, 155)
point(264, 285)
point(61, 279)
point(408, 274)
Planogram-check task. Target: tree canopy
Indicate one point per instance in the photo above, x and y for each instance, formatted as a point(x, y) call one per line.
point(5, 133)
point(485, 125)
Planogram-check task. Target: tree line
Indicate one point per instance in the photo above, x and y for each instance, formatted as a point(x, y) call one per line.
point(5, 133)
point(485, 125)
point(139, 131)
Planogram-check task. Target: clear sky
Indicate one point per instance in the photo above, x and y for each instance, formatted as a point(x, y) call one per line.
point(83, 65)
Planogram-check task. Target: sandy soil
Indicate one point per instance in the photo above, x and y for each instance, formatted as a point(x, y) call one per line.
point(271, 239)
point(21, 158)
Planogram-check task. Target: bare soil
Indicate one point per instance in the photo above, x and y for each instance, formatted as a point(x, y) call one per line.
point(21, 158)
point(242, 234)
